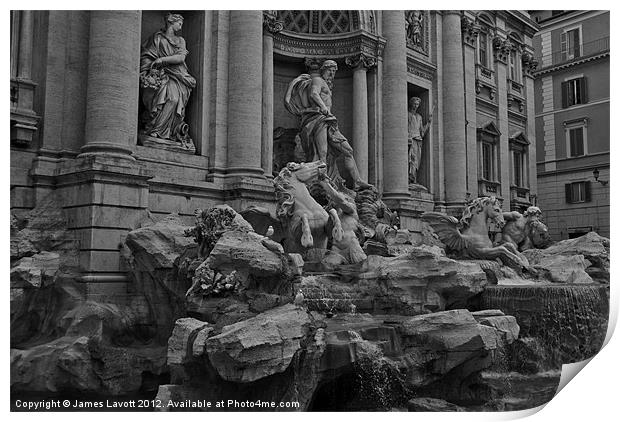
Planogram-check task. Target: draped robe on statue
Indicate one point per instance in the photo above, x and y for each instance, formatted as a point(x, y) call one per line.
point(312, 121)
point(167, 89)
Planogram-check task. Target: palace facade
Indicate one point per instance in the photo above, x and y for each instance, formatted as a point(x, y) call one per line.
point(572, 121)
point(75, 112)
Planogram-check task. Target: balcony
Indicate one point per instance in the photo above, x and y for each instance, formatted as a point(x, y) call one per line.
point(572, 55)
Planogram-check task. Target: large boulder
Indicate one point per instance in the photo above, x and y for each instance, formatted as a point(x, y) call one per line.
point(44, 228)
point(420, 281)
point(258, 347)
point(246, 253)
point(99, 352)
point(448, 339)
point(157, 246)
point(576, 260)
point(35, 271)
point(151, 253)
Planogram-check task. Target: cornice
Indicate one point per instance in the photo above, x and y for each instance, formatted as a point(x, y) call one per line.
point(567, 65)
point(421, 68)
point(334, 46)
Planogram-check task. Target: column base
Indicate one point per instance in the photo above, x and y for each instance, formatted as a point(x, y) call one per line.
point(410, 209)
point(104, 149)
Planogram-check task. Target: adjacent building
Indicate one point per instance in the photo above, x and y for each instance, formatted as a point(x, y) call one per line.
point(572, 121)
point(76, 132)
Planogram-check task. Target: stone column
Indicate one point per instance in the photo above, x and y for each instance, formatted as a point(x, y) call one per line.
point(271, 26)
point(113, 75)
point(105, 190)
point(360, 63)
point(395, 161)
point(24, 69)
point(245, 93)
point(453, 109)
point(23, 118)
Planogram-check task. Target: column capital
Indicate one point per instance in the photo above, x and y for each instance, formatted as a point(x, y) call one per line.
point(529, 64)
point(271, 24)
point(501, 49)
point(361, 61)
point(470, 30)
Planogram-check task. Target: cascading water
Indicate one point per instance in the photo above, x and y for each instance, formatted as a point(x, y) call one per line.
point(569, 320)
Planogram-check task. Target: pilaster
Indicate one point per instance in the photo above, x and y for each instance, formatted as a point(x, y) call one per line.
point(360, 64)
point(270, 26)
point(470, 35)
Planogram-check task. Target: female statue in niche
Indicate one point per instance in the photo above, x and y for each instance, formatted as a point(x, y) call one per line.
point(166, 83)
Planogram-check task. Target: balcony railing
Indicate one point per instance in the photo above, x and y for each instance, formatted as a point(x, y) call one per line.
point(564, 56)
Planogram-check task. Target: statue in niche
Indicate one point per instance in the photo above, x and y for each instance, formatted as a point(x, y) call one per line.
point(309, 97)
point(166, 84)
point(414, 24)
point(416, 132)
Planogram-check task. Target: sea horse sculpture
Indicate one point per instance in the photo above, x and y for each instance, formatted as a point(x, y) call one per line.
point(301, 222)
point(469, 237)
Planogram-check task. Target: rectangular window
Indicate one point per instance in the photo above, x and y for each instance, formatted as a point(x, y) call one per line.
point(571, 44)
point(513, 66)
point(575, 140)
point(578, 192)
point(482, 49)
point(487, 162)
point(574, 92)
point(517, 171)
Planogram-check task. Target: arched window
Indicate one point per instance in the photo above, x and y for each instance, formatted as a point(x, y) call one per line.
point(319, 21)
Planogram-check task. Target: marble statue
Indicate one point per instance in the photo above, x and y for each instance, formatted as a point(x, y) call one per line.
point(309, 97)
point(413, 23)
point(304, 221)
point(416, 132)
point(376, 218)
point(346, 250)
point(166, 84)
point(469, 237)
point(525, 231)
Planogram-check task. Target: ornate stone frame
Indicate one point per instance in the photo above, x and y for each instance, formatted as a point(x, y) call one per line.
point(337, 46)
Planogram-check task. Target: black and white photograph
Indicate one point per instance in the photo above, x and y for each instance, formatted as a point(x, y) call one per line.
point(306, 210)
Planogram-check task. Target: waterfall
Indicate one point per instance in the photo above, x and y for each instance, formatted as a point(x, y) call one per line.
point(569, 320)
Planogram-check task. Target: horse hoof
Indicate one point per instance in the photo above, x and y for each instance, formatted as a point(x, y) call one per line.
point(307, 241)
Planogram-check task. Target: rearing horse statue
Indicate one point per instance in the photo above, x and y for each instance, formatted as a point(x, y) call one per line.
point(469, 237)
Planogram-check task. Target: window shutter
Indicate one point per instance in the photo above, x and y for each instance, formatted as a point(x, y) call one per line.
point(567, 189)
point(563, 45)
point(579, 140)
point(576, 44)
point(564, 94)
point(584, 90)
point(588, 194)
